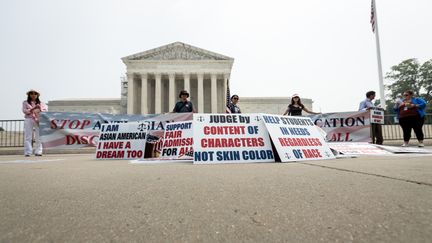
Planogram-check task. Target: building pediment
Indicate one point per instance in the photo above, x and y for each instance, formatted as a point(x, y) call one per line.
point(176, 51)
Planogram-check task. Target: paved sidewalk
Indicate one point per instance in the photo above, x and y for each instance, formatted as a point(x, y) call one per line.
point(77, 198)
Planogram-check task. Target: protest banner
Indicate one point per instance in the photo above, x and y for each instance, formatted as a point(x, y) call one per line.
point(230, 138)
point(376, 116)
point(178, 141)
point(122, 141)
point(405, 150)
point(66, 130)
point(344, 126)
point(296, 138)
point(358, 149)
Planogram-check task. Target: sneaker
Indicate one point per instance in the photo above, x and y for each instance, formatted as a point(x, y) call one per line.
point(421, 145)
point(38, 154)
point(404, 145)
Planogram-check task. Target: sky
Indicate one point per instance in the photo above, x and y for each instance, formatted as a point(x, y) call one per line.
point(322, 50)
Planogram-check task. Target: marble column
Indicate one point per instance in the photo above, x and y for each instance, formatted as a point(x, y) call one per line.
point(144, 98)
point(130, 95)
point(158, 101)
point(187, 82)
point(200, 92)
point(213, 77)
point(171, 95)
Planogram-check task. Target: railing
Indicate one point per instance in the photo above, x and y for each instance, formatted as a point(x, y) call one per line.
point(11, 133)
point(392, 130)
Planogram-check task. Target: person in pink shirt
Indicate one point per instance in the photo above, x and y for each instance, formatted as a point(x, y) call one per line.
point(32, 107)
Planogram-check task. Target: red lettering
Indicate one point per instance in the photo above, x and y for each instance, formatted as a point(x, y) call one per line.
point(85, 123)
point(74, 124)
point(128, 145)
point(83, 139)
point(311, 153)
point(220, 130)
point(113, 145)
point(53, 124)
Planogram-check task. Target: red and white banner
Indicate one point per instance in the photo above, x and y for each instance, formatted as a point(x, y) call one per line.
point(122, 141)
point(66, 130)
point(178, 141)
point(344, 126)
point(377, 116)
point(230, 138)
point(296, 138)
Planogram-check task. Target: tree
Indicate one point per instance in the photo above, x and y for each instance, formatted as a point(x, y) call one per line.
point(410, 75)
point(426, 79)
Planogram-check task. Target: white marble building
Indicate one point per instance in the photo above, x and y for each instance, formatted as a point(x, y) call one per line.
point(155, 78)
point(269, 105)
point(111, 106)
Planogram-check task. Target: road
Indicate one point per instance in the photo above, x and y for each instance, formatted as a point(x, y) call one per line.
point(75, 198)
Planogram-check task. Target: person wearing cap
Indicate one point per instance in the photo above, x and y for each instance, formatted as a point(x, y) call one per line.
point(296, 107)
point(232, 107)
point(183, 105)
point(32, 107)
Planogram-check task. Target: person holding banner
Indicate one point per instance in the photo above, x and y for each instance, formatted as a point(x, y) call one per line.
point(296, 107)
point(31, 109)
point(411, 114)
point(232, 107)
point(376, 129)
point(183, 105)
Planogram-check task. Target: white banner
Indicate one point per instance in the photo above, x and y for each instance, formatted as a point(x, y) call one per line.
point(122, 141)
point(178, 141)
point(345, 126)
point(230, 138)
point(376, 116)
point(296, 138)
point(69, 130)
point(358, 149)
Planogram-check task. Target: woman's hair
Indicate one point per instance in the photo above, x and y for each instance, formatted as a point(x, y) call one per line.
point(29, 100)
point(298, 102)
point(234, 96)
point(410, 92)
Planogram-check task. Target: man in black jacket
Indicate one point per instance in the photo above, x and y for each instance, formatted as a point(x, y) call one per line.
point(183, 105)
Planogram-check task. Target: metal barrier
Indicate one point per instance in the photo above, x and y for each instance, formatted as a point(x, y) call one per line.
point(11, 133)
point(392, 130)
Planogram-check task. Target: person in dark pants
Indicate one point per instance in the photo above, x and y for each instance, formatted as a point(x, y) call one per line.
point(376, 129)
point(411, 113)
point(183, 105)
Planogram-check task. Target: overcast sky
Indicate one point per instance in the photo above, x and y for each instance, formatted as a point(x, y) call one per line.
point(323, 50)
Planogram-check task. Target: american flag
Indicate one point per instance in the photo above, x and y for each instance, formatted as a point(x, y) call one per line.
point(372, 19)
point(228, 95)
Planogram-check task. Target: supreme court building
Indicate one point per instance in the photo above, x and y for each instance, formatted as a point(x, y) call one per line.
point(155, 78)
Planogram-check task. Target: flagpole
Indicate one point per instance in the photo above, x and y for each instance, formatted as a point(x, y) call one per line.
point(378, 50)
